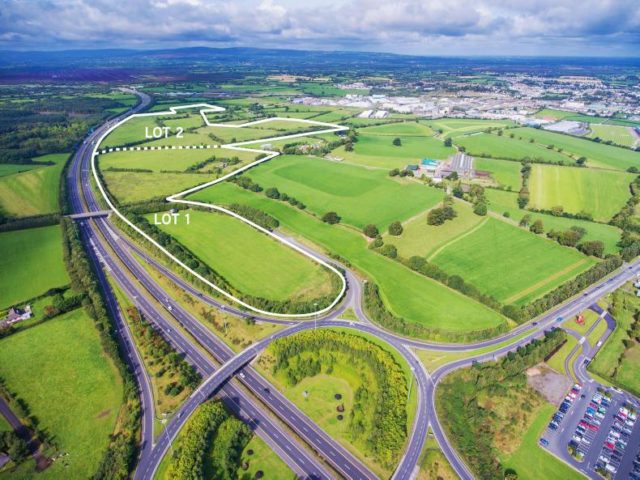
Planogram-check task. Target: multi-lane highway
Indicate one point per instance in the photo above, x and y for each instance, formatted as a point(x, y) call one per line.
point(217, 363)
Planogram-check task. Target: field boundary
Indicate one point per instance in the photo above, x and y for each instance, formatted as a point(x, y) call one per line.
point(459, 237)
point(178, 197)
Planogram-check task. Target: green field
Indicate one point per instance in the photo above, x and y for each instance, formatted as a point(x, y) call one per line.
point(492, 145)
point(31, 263)
point(615, 133)
point(359, 195)
point(509, 263)
point(33, 192)
point(407, 294)
point(597, 154)
point(252, 262)
point(558, 358)
point(263, 459)
point(531, 462)
point(131, 187)
point(553, 114)
point(501, 202)
point(399, 129)
point(59, 369)
point(601, 193)
point(454, 127)
point(504, 172)
point(379, 151)
point(11, 169)
point(420, 238)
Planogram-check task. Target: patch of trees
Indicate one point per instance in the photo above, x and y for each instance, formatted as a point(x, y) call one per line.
point(255, 215)
point(370, 230)
point(470, 425)
point(387, 404)
point(131, 170)
point(120, 457)
point(14, 446)
point(331, 218)
point(380, 314)
point(8, 224)
point(320, 149)
point(439, 215)
point(200, 165)
point(395, 228)
point(246, 183)
point(161, 353)
point(274, 194)
point(211, 423)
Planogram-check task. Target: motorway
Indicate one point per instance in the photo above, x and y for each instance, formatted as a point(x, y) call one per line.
point(113, 250)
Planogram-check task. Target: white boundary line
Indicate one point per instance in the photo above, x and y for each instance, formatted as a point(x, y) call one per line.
point(176, 198)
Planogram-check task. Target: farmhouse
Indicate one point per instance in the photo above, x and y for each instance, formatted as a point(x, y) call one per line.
point(17, 314)
point(460, 163)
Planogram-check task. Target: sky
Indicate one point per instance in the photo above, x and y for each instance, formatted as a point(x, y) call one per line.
point(605, 28)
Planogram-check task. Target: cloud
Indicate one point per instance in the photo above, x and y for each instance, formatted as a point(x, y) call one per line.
point(404, 26)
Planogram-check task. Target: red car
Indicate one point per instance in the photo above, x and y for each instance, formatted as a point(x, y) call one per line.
point(609, 445)
point(593, 428)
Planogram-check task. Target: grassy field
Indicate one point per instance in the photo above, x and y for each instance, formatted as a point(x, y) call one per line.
point(33, 192)
point(12, 169)
point(59, 369)
point(399, 129)
point(407, 294)
point(31, 263)
point(597, 154)
point(149, 185)
point(615, 133)
point(509, 263)
point(598, 192)
point(454, 127)
point(504, 172)
point(553, 114)
point(492, 145)
point(420, 238)
point(156, 160)
point(531, 462)
point(501, 202)
point(433, 464)
point(360, 196)
point(379, 151)
point(252, 262)
point(557, 359)
point(262, 458)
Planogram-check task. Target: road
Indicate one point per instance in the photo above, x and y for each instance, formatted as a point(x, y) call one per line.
point(104, 239)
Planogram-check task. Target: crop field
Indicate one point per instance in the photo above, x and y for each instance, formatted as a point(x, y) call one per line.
point(409, 295)
point(505, 172)
point(502, 202)
point(509, 263)
point(602, 193)
point(454, 127)
point(12, 169)
point(615, 133)
point(30, 264)
point(399, 129)
point(420, 238)
point(149, 185)
point(59, 369)
point(379, 151)
point(33, 192)
point(531, 461)
point(492, 145)
point(597, 154)
point(251, 261)
point(360, 196)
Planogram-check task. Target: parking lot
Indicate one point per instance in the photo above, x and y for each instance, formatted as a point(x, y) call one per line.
point(596, 431)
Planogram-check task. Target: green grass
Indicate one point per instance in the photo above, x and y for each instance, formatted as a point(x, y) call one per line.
point(502, 201)
point(509, 263)
point(557, 359)
point(399, 129)
point(133, 130)
point(157, 160)
point(590, 318)
point(615, 133)
point(360, 196)
point(263, 459)
point(597, 154)
point(504, 172)
point(252, 262)
point(577, 117)
point(531, 462)
point(131, 187)
point(420, 238)
point(454, 127)
point(11, 169)
point(379, 151)
point(492, 145)
point(407, 294)
point(59, 369)
point(33, 192)
point(30, 264)
point(598, 192)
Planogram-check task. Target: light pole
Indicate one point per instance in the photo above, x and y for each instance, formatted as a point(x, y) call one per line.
point(163, 421)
